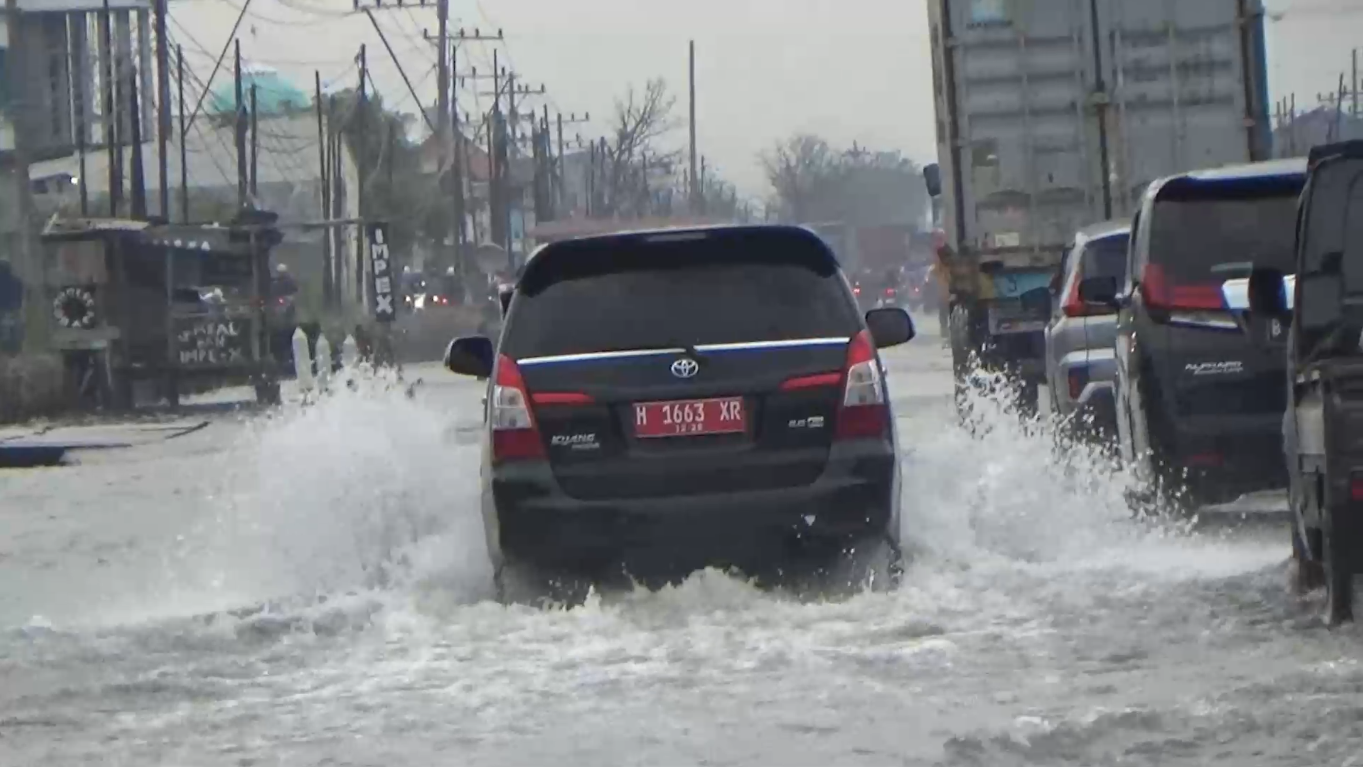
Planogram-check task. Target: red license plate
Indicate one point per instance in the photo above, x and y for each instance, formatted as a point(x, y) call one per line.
point(723, 415)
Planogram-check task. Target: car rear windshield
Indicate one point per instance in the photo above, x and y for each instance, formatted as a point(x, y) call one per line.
point(645, 295)
point(1106, 257)
point(1201, 239)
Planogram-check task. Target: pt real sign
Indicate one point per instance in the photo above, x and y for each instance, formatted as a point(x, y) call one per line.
point(381, 268)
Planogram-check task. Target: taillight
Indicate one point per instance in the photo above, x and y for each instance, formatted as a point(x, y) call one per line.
point(1159, 293)
point(889, 291)
point(1077, 378)
point(560, 398)
point(1207, 460)
point(815, 381)
point(515, 437)
point(864, 412)
point(1075, 307)
point(1356, 487)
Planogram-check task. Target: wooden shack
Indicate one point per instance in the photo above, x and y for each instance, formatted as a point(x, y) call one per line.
point(136, 301)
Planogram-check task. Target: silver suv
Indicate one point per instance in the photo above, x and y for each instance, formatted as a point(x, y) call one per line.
point(1080, 336)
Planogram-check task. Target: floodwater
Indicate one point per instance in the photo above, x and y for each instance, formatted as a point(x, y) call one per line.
point(1038, 622)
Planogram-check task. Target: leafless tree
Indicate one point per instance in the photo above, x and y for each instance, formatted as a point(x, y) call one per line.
point(812, 181)
point(800, 170)
point(641, 120)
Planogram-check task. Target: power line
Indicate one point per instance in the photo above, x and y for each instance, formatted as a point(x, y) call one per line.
point(218, 64)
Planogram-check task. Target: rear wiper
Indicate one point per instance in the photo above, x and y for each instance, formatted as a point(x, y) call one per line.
point(690, 349)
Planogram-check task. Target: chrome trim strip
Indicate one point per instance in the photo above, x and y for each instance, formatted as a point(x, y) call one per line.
point(635, 353)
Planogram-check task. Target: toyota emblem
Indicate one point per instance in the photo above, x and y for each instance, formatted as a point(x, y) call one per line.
point(685, 368)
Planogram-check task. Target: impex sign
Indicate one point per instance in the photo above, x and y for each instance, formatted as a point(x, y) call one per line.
point(381, 270)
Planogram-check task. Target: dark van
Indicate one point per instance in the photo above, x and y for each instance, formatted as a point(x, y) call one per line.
point(1199, 387)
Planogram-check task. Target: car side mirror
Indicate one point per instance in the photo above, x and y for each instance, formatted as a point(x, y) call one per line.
point(1322, 301)
point(1037, 301)
point(1267, 293)
point(890, 326)
point(470, 356)
point(1100, 291)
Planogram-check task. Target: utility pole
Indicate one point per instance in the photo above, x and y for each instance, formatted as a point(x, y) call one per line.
point(27, 258)
point(325, 196)
point(511, 110)
point(702, 204)
point(255, 147)
point(138, 179)
point(562, 165)
point(591, 180)
point(494, 222)
point(457, 180)
point(184, 164)
point(106, 54)
point(561, 168)
point(240, 132)
point(77, 62)
point(693, 192)
point(362, 163)
point(162, 106)
point(442, 13)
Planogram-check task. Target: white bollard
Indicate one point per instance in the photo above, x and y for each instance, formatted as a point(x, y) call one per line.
point(350, 352)
point(323, 362)
point(302, 360)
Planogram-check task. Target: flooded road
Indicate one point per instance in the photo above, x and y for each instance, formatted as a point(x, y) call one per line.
point(1037, 624)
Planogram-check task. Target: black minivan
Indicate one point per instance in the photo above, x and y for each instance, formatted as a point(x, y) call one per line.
point(1199, 383)
point(664, 401)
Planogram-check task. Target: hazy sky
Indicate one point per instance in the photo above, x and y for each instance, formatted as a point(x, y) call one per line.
point(846, 69)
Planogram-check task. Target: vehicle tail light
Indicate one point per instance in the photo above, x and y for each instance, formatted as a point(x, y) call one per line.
point(1356, 487)
point(864, 411)
point(857, 290)
point(560, 398)
point(515, 435)
point(1077, 378)
point(889, 291)
point(1075, 306)
point(1210, 459)
point(1160, 293)
point(815, 381)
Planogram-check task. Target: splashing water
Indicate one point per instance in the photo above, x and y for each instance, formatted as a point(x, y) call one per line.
point(1007, 490)
point(360, 490)
point(365, 491)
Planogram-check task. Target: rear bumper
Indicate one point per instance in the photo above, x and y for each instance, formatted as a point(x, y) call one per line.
point(1098, 370)
point(536, 522)
point(1229, 455)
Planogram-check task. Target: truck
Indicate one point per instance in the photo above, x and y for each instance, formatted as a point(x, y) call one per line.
point(1053, 116)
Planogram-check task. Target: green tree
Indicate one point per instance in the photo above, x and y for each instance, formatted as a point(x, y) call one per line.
point(395, 189)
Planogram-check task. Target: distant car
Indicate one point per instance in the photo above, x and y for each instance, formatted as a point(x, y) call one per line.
point(1200, 395)
point(660, 402)
point(1080, 337)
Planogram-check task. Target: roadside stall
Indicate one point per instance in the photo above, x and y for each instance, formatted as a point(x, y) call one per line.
point(141, 305)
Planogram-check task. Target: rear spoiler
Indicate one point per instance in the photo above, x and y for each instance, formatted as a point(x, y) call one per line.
point(1352, 150)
